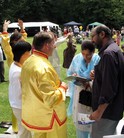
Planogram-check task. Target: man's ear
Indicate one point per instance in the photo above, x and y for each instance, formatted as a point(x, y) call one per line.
point(45, 48)
point(102, 34)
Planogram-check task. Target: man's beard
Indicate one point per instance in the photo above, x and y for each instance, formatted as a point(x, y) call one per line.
point(97, 46)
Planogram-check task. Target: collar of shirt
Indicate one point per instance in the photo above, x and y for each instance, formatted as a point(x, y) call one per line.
point(105, 46)
point(36, 52)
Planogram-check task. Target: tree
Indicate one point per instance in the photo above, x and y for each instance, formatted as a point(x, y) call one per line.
point(109, 12)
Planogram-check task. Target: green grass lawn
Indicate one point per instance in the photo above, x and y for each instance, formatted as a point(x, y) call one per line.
point(5, 110)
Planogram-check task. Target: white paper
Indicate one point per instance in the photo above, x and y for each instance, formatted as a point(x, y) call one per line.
point(83, 119)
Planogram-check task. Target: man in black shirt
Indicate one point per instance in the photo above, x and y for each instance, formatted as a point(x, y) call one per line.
point(108, 89)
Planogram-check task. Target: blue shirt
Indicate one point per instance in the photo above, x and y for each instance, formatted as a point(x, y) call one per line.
point(79, 66)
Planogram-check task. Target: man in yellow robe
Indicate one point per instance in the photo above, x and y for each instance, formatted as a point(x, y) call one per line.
point(43, 94)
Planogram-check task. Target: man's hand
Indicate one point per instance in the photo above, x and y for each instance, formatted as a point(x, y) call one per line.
point(20, 24)
point(96, 115)
point(64, 85)
point(92, 74)
point(5, 25)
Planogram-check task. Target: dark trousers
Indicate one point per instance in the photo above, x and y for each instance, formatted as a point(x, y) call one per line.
point(103, 127)
point(2, 78)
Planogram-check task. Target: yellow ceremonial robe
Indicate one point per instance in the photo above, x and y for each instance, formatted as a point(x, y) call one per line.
point(42, 97)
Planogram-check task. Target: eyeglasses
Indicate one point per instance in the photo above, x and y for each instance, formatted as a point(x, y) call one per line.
point(93, 35)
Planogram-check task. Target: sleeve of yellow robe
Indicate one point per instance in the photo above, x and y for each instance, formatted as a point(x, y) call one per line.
point(24, 34)
point(7, 48)
point(51, 91)
point(48, 91)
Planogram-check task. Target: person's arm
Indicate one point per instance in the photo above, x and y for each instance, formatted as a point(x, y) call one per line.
point(96, 115)
point(20, 24)
point(92, 75)
point(22, 30)
point(63, 87)
point(52, 96)
point(60, 41)
point(50, 89)
point(96, 61)
point(5, 26)
point(5, 43)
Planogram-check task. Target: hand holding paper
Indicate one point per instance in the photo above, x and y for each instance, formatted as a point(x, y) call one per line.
point(83, 119)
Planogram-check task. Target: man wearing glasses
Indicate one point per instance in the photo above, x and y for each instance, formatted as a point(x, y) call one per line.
point(108, 90)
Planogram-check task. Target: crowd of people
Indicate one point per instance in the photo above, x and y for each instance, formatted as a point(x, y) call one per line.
point(37, 95)
point(78, 33)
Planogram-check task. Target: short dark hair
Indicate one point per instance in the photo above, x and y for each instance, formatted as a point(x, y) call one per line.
point(15, 37)
point(105, 29)
point(41, 38)
point(19, 49)
point(87, 44)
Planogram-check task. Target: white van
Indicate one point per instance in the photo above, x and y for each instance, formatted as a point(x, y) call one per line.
point(33, 27)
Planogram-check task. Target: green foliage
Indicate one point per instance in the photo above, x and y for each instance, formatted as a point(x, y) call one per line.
point(85, 11)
